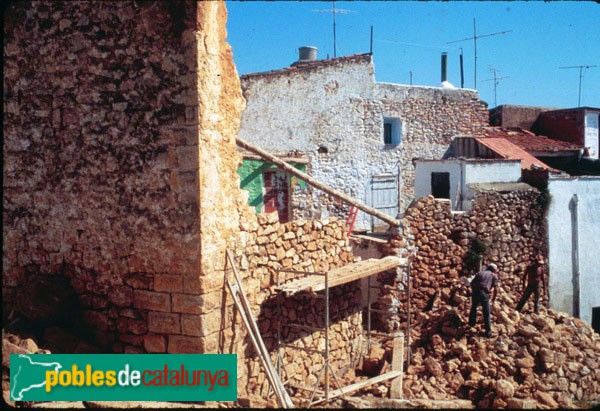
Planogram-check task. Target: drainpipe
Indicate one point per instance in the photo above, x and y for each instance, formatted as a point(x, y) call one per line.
point(575, 254)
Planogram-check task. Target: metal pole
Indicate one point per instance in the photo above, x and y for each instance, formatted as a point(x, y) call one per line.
point(580, 77)
point(408, 351)
point(371, 49)
point(334, 40)
point(475, 48)
point(368, 313)
point(462, 73)
point(279, 325)
point(410, 72)
point(327, 336)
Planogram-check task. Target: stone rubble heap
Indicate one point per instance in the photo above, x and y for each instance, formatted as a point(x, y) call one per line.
point(547, 360)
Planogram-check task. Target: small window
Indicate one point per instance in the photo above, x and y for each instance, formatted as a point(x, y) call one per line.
point(392, 131)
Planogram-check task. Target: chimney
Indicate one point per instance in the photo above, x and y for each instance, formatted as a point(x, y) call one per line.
point(444, 66)
point(306, 54)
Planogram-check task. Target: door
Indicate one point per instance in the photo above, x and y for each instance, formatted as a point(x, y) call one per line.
point(440, 185)
point(384, 195)
point(276, 194)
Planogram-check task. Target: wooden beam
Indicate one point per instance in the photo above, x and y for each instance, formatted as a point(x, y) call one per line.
point(397, 365)
point(315, 183)
point(343, 275)
point(359, 385)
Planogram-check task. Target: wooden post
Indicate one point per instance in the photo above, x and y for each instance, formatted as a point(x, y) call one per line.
point(315, 183)
point(397, 365)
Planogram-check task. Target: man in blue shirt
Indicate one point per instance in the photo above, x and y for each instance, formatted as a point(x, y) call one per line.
point(484, 283)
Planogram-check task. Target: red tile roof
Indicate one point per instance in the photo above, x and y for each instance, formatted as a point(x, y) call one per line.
point(312, 65)
point(531, 142)
point(504, 148)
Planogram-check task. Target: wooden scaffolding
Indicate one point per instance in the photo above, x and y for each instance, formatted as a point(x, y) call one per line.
point(319, 285)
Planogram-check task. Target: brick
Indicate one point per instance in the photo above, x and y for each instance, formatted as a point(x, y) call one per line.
point(132, 339)
point(131, 326)
point(150, 300)
point(139, 281)
point(121, 295)
point(168, 282)
point(155, 343)
point(191, 325)
point(187, 303)
point(180, 344)
point(164, 323)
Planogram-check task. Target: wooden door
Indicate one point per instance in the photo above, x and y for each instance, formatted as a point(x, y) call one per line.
point(276, 194)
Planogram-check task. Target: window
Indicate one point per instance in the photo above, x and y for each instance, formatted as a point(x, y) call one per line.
point(440, 185)
point(392, 131)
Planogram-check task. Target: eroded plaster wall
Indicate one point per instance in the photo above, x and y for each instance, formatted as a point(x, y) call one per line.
point(336, 106)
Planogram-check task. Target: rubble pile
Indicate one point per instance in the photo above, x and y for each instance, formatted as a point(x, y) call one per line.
point(305, 246)
point(548, 359)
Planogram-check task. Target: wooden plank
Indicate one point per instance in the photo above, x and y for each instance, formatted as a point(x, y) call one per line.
point(343, 275)
point(397, 365)
point(315, 183)
point(239, 297)
point(359, 385)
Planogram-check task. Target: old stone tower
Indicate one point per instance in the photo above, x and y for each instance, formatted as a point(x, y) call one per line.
point(119, 167)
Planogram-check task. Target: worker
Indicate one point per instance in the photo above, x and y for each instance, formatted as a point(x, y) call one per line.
point(533, 275)
point(484, 283)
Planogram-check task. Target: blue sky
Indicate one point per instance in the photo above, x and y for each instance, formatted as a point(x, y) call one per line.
point(410, 36)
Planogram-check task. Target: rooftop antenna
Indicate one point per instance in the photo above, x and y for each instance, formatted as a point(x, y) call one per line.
point(334, 11)
point(495, 80)
point(474, 38)
point(580, 78)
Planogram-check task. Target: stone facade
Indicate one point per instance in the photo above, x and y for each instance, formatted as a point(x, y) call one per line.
point(120, 163)
point(511, 226)
point(341, 131)
point(266, 247)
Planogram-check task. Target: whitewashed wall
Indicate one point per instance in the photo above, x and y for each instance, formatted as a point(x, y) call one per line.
point(560, 243)
point(339, 106)
point(423, 170)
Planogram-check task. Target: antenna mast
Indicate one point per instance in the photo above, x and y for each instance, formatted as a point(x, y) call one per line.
point(580, 78)
point(495, 80)
point(474, 38)
point(334, 11)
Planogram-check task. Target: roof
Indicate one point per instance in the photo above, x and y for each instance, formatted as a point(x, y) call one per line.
point(355, 58)
point(532, 142)
point(504, 148)
point(500, 187)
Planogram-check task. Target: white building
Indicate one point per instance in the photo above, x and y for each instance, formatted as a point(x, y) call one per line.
point(359, 136)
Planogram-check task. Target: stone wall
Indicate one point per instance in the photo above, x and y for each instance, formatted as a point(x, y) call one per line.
point(267, 247)
point(112, 153)
point(431, 118)
point(341, 130)
point(511, 225)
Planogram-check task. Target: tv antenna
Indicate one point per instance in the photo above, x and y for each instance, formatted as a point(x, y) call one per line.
point(334, 11)
point(580, 78)
point(474, 38)
point(496, 79)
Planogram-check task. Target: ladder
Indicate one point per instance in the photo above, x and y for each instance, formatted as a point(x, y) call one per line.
point(351, 219)
point(241, 302)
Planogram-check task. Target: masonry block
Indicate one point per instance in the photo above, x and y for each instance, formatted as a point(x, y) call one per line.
point(121, 295)
point(150, 300)
point(187, 303)
point(180, 344)
point(168, 282)
point(155, 343)
point(166, 323)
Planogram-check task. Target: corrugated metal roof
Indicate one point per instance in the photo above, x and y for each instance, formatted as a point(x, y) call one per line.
point(530, 141)
point(504, 148)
